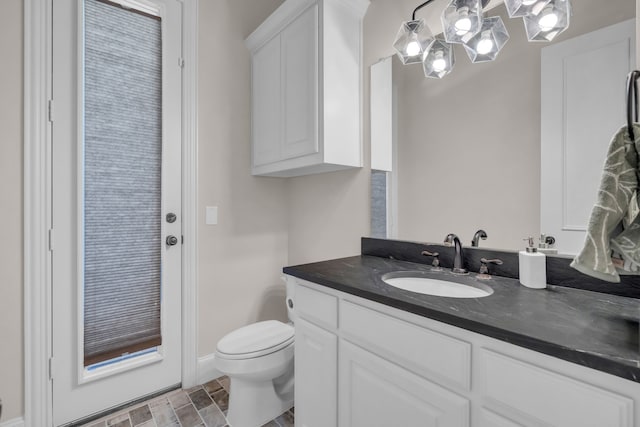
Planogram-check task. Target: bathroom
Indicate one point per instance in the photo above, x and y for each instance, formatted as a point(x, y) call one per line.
point(263, 223)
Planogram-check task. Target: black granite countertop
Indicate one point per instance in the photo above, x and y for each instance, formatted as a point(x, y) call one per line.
point(592, 329)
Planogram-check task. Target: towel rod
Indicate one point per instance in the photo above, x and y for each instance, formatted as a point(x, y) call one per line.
point(632, 101)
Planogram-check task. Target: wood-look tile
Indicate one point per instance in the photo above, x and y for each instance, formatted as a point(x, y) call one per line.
point(175, 409)
point(163, 414)
point(188, 416)
point(200, 399)
point(192, 389)
point(212, 386)
point(118, 419)
point(123, 423)
point(225, 382)
point(178, 400)
point(159, 401)
point(140, 415)
point(213, 417)
point(221, 397)
point(285, 420)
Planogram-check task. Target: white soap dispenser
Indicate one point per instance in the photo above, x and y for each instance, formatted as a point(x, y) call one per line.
point(533, 267)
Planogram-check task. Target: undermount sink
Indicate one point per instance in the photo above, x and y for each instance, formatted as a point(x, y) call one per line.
point(419, 282)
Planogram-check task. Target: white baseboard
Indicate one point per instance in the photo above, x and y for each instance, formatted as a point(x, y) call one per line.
point(206, 369)
point(16, 422)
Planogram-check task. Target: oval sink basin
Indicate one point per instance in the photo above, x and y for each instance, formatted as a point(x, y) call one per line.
point(416, 281)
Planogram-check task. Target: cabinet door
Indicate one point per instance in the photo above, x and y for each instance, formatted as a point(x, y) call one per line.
point(266, 105)
point(376, 393)
point(300, 85)
point(316, 373)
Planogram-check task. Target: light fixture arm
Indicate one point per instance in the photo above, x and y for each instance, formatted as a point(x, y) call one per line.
point(413, 16)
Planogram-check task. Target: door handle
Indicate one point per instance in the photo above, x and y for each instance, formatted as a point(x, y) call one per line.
point(172, 240)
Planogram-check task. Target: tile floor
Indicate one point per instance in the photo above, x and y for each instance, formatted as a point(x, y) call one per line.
point(201, 406)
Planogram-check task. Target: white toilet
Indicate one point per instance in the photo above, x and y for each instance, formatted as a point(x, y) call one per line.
point(258, 359)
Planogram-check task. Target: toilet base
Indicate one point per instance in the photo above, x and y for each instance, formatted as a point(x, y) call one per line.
point(252, 404)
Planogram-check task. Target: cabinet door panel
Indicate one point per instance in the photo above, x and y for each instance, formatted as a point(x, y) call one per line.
point(300, 85)
point(376, 393)
point(316, 374)
point(536, 397)
point(266, 105)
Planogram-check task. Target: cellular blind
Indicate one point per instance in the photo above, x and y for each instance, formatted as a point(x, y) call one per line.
point(122, 181)
point(379, 204)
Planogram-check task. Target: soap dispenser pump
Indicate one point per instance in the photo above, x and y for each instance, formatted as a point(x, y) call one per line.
point(533, 267)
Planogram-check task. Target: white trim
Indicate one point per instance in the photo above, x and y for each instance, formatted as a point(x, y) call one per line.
point(16, 422)
point(190, 193)
point(283, 16)
point(207, 370)
point(37, 309)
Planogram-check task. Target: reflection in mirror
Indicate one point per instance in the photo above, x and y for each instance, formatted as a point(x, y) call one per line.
point(469, 145)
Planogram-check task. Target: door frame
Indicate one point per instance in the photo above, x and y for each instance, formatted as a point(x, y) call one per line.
point(38, 398)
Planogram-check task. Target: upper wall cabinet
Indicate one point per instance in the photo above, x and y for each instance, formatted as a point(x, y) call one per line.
point(306, 82)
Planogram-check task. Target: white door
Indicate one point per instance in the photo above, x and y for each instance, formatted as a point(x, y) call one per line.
point(583, 105)
point(116, 153)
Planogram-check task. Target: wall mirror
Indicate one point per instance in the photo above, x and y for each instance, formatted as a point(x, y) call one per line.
point(467, 148)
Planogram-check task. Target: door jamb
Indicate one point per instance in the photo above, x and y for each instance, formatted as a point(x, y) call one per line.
point(38, 399)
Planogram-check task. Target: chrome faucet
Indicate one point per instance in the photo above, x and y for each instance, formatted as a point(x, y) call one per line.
point(480, 234)
point(458, 260)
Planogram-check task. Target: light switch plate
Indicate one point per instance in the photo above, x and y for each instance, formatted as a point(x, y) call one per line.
point(211, 217)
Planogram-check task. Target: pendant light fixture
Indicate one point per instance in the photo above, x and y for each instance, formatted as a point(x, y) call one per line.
point(520, 8)
point(461, 20)
point(551, 20)
point(413, 39)
point(439, 59)
point(489, 41)
point(483, 38)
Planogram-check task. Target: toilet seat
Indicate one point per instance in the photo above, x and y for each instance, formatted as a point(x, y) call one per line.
point(256, 340)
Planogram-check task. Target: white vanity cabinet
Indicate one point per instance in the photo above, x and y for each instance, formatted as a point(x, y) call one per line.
point(364, 364)
point(316, 358)
point(306, 88)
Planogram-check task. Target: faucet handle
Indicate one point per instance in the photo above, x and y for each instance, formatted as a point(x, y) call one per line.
point(449, 239)
point(436, 262)
point(483, 273)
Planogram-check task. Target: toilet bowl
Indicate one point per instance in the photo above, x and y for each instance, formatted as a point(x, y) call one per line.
point(258, 359)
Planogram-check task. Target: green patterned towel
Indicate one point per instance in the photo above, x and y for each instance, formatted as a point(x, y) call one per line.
point(612, 244)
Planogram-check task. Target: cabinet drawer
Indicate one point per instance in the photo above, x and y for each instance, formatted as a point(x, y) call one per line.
point(316, 307)
point(535, 396)
point(428, 353)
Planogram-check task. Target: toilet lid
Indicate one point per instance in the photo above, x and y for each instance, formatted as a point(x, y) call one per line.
point(257, 339)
